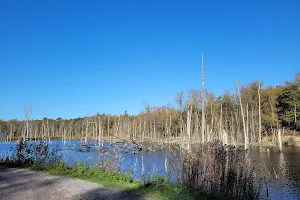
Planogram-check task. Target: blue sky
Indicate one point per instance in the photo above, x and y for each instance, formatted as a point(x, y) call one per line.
point(77, 58)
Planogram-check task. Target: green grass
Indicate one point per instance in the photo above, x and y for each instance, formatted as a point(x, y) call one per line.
point(160, 188)
point(157, 188)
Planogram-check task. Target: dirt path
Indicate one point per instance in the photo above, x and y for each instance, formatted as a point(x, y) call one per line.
point(25, 184)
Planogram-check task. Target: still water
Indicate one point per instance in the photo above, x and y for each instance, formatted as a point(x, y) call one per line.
point(280, 169)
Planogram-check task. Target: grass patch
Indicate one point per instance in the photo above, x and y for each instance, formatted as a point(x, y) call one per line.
point(160, 188)
point(157, 188)
point(81, 171)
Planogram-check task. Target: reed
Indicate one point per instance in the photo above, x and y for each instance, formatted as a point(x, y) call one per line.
point(220, 171)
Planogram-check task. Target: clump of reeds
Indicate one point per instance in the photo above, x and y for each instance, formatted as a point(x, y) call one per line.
point(220, 171)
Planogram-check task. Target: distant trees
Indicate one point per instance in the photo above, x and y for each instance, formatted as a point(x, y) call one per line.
point(288, 104)
point(3, 127)
point(269, 107)
point(243, 117)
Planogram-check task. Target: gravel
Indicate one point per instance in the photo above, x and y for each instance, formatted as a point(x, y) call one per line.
point(22, 184)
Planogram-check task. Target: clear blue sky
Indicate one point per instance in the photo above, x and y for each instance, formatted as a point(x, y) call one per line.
point(77, 58)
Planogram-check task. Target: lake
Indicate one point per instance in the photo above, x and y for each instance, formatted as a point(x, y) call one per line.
point(281, 169)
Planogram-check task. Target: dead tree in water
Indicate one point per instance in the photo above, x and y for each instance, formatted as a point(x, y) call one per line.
point(108, 126)
point(243, 117)
point(27, 112)
point(202, 100)
point(100, 132)
point(45, 127)
point(87, 124)
point(221, 126)
point(259, 114)
point(179, 101)
point(279, 139)
point(188, 125)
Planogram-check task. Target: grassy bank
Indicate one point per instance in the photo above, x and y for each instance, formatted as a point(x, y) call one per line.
point(38, 156)
point(155, 188)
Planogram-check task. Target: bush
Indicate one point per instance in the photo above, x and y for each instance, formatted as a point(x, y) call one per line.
point(35, 155)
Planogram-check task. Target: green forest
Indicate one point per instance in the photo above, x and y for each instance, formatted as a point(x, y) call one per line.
point(247, 115)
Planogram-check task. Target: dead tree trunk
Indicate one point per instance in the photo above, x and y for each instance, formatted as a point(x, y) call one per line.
point(188, 125)
point(99, 131)
point(87, 124)
point(243, 117)
point(48, 131)
point(247, 119)
point(108, 125)
point(27, 112)
point(279, 140)
point(221, 126)
point(259, 115)
point(202, 100)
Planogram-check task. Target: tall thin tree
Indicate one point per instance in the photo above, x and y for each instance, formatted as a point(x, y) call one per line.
point(27, 112)
point(259, 114)
point(202, 102)
point(243, 117)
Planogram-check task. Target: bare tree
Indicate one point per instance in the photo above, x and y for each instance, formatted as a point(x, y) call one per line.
point(87, 124)
point(46, 128)
point(202, 100)
point(279, 139)
point(27, 112)
point(259, 114)
point(188, 125)
point(179, 100)
point(243, 117)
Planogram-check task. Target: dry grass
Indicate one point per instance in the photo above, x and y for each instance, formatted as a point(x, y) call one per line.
point(221, 171)
point(286, 138)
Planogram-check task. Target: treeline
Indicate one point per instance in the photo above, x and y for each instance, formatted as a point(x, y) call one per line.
point(245, 116)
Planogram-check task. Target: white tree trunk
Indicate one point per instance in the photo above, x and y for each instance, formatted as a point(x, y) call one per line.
point(259, 115)
point(279, 139)
point(243, 117)
point(202, 102)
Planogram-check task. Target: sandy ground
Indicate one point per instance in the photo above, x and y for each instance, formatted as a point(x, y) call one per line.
point(22, 184)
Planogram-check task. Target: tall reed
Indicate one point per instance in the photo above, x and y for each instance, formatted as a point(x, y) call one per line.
point(220, 171)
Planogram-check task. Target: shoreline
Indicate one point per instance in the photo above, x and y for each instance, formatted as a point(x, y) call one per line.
point(287, 141)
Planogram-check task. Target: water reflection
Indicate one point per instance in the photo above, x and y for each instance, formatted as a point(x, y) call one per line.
point(281, 170)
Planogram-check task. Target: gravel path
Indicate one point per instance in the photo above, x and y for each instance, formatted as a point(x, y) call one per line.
point(22, 184)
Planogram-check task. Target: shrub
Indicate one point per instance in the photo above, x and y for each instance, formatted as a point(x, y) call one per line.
point(35, 155)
